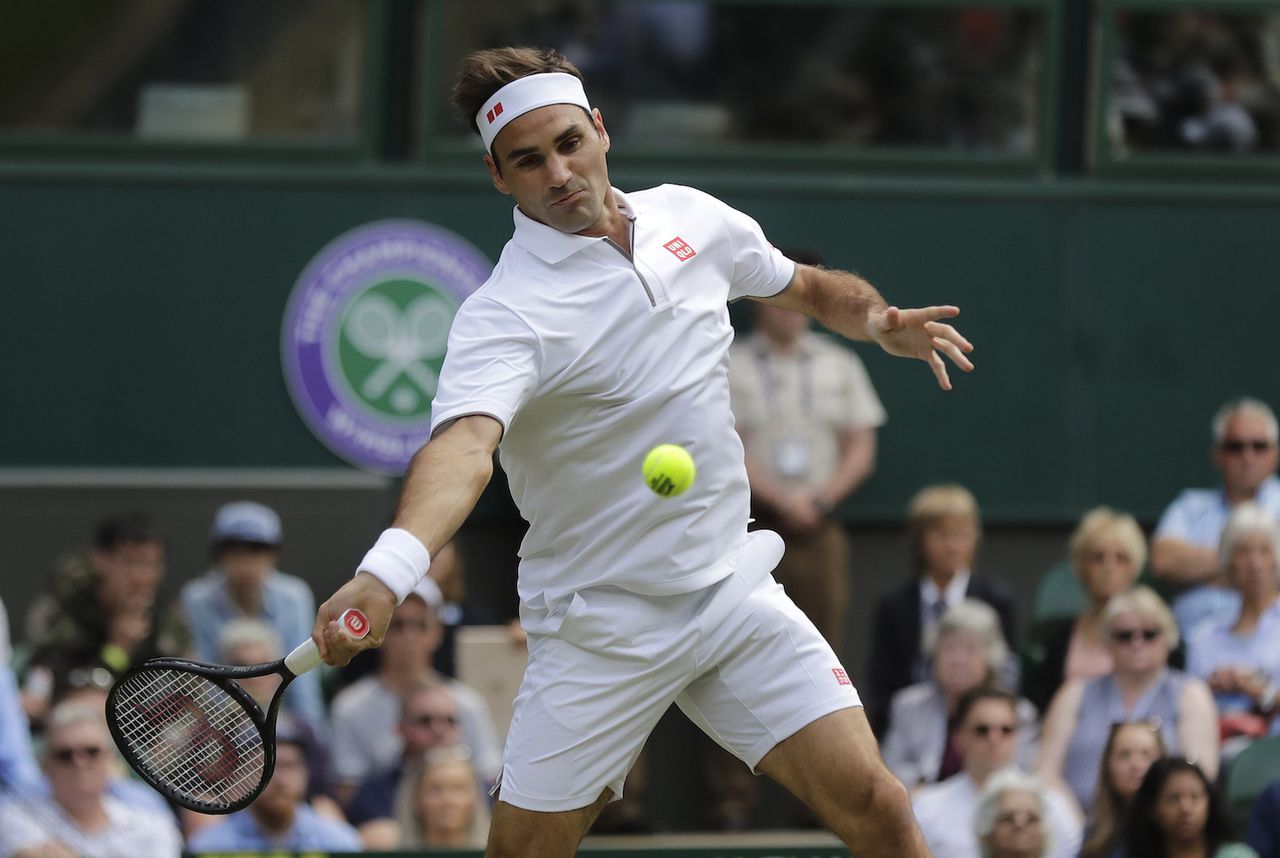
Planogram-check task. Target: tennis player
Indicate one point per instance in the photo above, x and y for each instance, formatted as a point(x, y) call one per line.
point(603, 332)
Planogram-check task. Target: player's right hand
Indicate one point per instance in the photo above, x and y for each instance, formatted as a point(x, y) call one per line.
point(365, 593)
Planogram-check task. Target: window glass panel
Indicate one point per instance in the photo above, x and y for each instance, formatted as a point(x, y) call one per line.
point(183, 69)
point(692, 74)
point(1196, 81)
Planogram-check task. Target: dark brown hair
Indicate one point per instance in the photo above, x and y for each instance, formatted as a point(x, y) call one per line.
point(482, 73)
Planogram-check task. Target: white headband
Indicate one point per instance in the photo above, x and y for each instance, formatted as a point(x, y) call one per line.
point(524, 94)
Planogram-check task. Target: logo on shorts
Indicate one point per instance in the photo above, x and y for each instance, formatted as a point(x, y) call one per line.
point(680, 248)
point(842, 678)
point(364, 336)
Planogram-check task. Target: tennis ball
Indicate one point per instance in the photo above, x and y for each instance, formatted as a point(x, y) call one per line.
point(669, 470)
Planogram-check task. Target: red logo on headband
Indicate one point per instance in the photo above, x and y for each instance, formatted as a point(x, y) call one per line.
point(495, 113)
point(681, 249)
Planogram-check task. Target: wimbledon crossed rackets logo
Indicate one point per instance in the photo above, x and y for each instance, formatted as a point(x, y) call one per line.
point(365, 332)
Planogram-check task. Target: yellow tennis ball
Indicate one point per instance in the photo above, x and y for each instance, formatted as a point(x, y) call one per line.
point(669, 470)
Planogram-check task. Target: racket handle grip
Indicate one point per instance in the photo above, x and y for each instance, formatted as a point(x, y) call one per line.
point(306, 655)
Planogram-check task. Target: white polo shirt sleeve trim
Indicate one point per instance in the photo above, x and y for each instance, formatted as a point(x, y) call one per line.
point(759, 269)
point(491, 367)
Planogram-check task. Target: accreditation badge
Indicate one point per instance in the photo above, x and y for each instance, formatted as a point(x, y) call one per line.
point(791, 456)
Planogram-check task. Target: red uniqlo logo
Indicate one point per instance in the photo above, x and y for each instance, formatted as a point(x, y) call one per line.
point(841, 677)
point(681, 249)
point(494, 113)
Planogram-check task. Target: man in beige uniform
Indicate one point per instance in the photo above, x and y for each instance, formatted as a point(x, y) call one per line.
point(808, 415)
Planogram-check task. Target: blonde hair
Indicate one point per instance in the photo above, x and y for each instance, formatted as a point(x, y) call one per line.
point(408, 805)
point(1144, 602)
point(930, 506)
point(1104, 521)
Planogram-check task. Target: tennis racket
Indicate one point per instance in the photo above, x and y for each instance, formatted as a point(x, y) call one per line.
point(195, 735)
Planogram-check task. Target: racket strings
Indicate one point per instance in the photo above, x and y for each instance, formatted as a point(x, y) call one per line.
point(190, 735)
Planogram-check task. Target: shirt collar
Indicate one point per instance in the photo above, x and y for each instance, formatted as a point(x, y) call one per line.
point(956, 588)
point(550, 244)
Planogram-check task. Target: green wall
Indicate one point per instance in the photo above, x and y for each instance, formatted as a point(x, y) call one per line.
point(142, 309)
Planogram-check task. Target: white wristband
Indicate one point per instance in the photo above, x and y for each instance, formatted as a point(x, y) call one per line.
point(398, 559)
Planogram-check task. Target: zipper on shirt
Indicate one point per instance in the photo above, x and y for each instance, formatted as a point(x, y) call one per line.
point(653, 302)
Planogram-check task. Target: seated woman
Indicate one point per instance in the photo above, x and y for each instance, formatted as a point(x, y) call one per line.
point(1107, 551)
point(1240, 658)
point(1177, 812)
point(1011, 820)
point(1140, 633)
point(1131, 748)
point(966, 650)
point(447, 808)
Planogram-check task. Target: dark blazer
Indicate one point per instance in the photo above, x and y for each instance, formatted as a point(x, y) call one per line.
point(895, 640)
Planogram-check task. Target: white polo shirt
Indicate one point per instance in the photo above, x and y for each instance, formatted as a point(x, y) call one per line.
point(590, 359)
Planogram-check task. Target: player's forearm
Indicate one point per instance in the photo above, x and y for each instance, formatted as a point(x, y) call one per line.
point(444, 482)
point(1179, 562)
point(841, 300)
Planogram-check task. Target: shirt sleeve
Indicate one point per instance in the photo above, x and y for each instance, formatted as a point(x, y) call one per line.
point(491, 366)
point(1175, 521)
point(759, 269)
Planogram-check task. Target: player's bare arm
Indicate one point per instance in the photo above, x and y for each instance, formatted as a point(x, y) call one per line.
point(443, 484)
point(850, 306)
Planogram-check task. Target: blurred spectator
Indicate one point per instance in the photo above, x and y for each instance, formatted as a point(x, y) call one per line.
point(1240, 657)
point(365, 713)
point(1011, 816)
point(80, 817)
point(447, 811)
point(103, 609)
point(808, 415)
point(1263, 833)
point(967, 651)
point(943, 531)
point(1177, 812)
point(1195, 80)
point(18, 769)
point(986, 737)
point(1108, 551)
point(1140, 632)
point(280, 818)
point(428, 719)
point(1132, 746)
point(246, 642)
point(1184, 548)
point(244, 583)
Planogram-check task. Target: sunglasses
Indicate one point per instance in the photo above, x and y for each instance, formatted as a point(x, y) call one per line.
point(1125, 636)
point(1237, 447)
point(430, 720)
point(985, 730)
point(1018, 817)
point(65, 756)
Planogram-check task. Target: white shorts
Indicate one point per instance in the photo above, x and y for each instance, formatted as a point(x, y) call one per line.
point(738, 658)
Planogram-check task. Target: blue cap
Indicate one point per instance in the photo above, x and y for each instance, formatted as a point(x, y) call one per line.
point(246, 521)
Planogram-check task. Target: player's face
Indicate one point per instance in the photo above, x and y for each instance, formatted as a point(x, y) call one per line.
point(1247, 455)
point(552, 161)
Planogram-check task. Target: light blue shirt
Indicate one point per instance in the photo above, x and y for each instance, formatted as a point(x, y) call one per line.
point(1214, 645)
point(287, 606)
point(310, 830)
point(18, 769)
point(1197, 516)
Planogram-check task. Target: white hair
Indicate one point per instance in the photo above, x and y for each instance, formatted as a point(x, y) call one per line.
point(1248, 519)
point(1245, 405)
point(246, 632)
point(977, 618)
point(1003, 781)
point(72, 712)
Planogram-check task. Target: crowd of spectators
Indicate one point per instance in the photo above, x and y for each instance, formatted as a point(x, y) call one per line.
point(1109, 730)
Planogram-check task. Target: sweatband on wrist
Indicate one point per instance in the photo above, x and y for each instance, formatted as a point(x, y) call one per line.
point(398, 559)
point(524, 94)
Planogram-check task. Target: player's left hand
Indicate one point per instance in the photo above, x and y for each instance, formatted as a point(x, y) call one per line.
point(919, 334)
